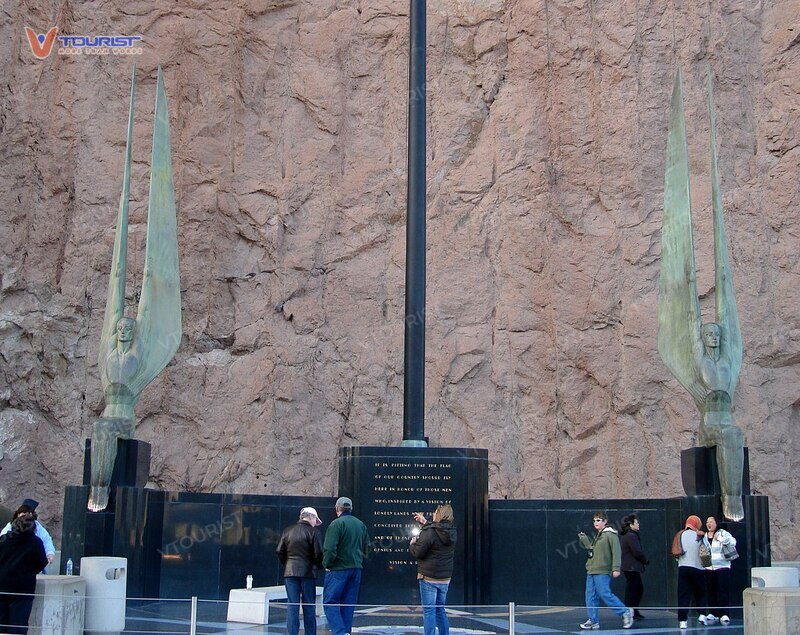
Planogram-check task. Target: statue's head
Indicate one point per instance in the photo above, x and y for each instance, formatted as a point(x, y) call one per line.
point(125, 329)
point(711, 333)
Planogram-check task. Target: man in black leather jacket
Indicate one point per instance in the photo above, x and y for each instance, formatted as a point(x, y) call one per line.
point(300, 553)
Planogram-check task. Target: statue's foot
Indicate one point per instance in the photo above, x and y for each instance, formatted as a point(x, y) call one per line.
point(732, 507)
point(98, 498)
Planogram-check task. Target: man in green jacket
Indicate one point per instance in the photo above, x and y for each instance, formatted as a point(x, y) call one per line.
point(346, 545)
point(604, 561)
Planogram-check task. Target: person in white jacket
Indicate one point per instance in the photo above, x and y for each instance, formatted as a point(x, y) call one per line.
point(29, 506)
point(719, 573)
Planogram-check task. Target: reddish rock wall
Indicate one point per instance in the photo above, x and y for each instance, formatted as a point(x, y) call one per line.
point(546, 150)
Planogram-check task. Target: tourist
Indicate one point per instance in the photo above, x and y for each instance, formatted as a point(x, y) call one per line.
point(434, 551)
point(633, 563)
point(691, 574)
point(602, 564)
point(29, 507)
point(346, 545)
point(718, 575)
point(300, 552)
point(21, 558)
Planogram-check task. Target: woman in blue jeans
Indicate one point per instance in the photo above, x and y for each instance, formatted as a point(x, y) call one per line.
point(434, 550)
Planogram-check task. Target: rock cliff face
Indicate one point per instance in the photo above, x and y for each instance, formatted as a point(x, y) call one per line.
point(547, 131)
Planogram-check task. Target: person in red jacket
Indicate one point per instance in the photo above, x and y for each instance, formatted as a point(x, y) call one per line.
point(21, 558)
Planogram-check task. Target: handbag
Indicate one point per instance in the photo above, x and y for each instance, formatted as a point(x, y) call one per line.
point(729, 551)
point(676, 549)
point(704, 551)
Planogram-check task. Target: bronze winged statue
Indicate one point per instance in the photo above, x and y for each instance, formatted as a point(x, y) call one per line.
point(133, 351)
point(704, 358)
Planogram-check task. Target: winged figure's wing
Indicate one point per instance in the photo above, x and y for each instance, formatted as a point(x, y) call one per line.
point(727, 316)
point(158, 321)
point(678, 307)
point(115, 302)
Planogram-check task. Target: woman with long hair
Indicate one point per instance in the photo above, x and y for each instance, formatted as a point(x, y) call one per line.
point(21, 558)
point(434, 550)
point(718, 574)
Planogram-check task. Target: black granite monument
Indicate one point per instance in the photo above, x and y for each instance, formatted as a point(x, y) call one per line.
point(388, 484)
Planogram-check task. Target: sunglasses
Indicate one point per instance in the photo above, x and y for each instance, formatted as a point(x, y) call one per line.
point(598, 520)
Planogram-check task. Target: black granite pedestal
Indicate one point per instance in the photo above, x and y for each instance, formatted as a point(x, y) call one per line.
point(700, 474)
point(88, 533)
point(131, 466)
point(387, 485)
point(131, 529)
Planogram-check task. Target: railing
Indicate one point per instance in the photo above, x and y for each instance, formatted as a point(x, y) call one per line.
point(194, 615)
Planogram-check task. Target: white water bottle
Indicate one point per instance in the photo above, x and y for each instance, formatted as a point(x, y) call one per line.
point(249, 582)
point(69, 566)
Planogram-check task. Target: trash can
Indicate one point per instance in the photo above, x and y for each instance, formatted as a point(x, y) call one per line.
point(106, 580)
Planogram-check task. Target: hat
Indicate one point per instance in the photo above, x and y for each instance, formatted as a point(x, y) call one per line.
point(344, 503)
point(29, 502)
point(694, 522)
point(310, 511)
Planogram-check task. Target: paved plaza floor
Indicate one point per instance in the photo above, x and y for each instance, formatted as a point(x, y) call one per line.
point(173, 617)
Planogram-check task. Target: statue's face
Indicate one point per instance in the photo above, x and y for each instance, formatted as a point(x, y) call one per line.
point(711, 333)
point(125, 327)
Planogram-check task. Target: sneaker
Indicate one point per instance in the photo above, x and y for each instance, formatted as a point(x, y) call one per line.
point(725, 620)
point(627, 619)
point(589, 625)
point(637, 615)
point(702, 619)
point(683, 625)
point(710, 619)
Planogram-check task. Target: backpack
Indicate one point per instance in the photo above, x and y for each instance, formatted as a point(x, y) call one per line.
point(677, 548)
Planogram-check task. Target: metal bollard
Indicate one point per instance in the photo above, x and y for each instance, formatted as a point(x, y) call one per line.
point(193, 617)
point(511, 609)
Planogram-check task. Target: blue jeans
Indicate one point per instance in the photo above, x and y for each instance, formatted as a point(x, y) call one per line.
point(598, 587)
point(433, 596)
point(339, 599)
point(297, 588)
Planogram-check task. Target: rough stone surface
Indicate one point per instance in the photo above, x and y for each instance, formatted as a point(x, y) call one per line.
point(547, 131)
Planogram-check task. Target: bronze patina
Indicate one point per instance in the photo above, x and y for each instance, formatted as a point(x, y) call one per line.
point(704, 358)
point(133, 351)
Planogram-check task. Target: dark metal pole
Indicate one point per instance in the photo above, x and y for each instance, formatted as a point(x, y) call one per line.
point(414, 363)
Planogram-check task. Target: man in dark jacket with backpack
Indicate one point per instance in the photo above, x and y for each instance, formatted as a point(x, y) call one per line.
point(300, 553)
